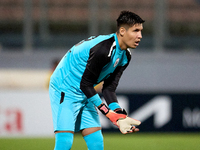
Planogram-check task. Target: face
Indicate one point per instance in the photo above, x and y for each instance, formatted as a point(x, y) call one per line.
point(131, 36)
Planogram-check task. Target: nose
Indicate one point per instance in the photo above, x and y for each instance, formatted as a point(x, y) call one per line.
point(140, 35)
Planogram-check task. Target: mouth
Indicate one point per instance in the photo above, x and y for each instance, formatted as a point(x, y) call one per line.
point(137, 43)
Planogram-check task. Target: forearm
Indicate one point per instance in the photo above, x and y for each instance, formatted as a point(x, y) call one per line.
point(96, 100)
point(91, 94)
point(111, 99)
point(109, 87)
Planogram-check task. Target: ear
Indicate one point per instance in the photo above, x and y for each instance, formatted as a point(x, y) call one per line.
point(122, 31)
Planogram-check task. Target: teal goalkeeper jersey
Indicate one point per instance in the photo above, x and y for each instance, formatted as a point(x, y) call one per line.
point(88, 63)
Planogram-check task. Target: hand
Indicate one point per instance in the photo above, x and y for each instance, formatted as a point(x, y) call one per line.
point(111, 115)
point(127, 125)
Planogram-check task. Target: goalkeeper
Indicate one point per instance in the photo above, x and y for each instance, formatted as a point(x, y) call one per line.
point(71, 89)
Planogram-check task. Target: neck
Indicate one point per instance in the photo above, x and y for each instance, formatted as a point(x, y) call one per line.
point(121, 43)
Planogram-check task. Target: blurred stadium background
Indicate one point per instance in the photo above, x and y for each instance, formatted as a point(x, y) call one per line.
point(161, 86)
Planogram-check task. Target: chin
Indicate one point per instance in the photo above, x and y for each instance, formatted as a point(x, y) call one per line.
point(133, 47)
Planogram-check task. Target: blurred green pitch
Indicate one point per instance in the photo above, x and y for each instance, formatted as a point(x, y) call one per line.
point(113, 141)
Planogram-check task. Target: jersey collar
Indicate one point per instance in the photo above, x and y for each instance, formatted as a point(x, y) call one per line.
point(117, 43)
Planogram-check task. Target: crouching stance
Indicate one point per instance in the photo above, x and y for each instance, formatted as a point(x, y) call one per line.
point(71, 89)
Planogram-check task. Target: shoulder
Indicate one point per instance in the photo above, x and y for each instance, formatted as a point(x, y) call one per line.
point(104, 41)
point(104, 45)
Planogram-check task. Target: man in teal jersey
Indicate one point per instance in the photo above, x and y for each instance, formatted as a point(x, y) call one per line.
point(72, 94)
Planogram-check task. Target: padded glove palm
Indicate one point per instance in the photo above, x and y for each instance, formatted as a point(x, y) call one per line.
point(127, 125)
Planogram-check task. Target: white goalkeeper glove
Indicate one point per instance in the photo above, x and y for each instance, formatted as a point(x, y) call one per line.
point(127, 125)
point(119, 118)
point(112, 115)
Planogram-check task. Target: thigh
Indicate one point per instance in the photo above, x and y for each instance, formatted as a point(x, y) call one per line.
point(88, 117)
point(88, 131)
point(65, 108)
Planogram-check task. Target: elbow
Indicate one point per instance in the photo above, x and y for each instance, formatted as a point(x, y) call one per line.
point(82, 86)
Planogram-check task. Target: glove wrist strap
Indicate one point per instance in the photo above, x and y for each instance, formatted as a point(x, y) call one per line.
point(104, 109)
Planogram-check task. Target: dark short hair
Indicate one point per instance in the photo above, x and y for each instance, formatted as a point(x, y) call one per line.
point(128, 18)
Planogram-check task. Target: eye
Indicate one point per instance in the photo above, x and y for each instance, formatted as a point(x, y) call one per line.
point(136, 30)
